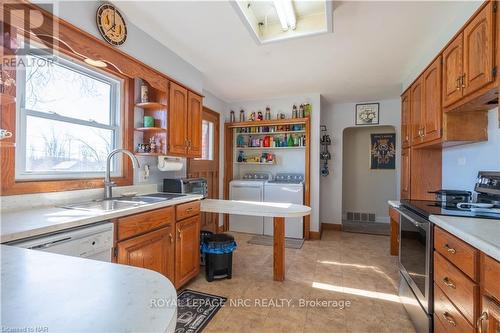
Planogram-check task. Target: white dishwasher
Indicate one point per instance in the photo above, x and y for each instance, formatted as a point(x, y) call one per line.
point(92, 242)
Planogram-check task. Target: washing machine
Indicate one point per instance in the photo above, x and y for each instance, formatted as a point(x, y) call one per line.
point(249, 188)
point(285, 188)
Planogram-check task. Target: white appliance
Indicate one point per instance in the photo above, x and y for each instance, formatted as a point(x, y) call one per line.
point(250, 188)
point(92, 242)
point(286, 188)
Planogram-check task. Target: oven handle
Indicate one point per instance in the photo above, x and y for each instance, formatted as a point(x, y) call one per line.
point(413, 219)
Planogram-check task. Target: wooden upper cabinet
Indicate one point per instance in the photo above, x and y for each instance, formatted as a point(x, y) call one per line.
point(177, 120)
point(194, 124)
point(431, 107)
point(187, 250)
point(154, 250)
point(405, 119)
point(478, 51)
point(416, 111)
point(405, 173)
point(452, 70)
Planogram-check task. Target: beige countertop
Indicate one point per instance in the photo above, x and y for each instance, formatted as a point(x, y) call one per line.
point(32, 222)
point(254, 208)
point(67, 294)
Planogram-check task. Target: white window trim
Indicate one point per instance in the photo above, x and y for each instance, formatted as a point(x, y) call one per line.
point(116, 123)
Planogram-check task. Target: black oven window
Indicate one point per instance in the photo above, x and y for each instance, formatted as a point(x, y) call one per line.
point(413, 252)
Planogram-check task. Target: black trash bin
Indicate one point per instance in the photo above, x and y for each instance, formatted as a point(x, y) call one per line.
point(218, 250)
point(203, 235)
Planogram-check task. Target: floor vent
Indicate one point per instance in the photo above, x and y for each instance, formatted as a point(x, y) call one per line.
point(360, 217)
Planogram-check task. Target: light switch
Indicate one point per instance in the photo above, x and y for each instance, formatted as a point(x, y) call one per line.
point(462, 160)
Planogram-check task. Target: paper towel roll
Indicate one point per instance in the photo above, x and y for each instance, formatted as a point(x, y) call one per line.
point(166, 163)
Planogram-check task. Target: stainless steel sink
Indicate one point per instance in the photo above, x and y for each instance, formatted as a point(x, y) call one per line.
point(104, 205)
point(123, 202)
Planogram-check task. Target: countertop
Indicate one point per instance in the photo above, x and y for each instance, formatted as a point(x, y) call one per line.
point(38, 221)
point(254, 208)
point(68, 294)
point(483, 234)
point(394, 203)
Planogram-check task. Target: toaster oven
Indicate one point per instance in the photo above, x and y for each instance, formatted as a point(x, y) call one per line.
point(186, 186)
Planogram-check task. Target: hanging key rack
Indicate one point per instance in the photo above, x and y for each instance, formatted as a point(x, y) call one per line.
point(325, 155)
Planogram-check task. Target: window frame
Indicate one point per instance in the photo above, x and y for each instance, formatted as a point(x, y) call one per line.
point(115, 122)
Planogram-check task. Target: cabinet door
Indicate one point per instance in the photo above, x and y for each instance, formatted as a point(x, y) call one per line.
point(405, 173)
point(490, 316)
point(452, 71)
point(177, 120)
point(416, 112)
point(154, 250)
point(431, 107)
point(194, 124)
point(187, 250)
point(405, 120)
point(478, 51)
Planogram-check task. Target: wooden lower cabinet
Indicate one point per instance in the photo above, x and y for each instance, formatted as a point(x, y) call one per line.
point(187, 250)
point(154, 250)
point(489, 321)
point(394, 216)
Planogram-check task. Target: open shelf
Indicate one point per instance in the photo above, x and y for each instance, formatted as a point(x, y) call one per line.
point(269, 148)
point(149, 154)
point(151, 105)
point(150, 129)
point(254, 163)
point(276, 122)
point(272, 133)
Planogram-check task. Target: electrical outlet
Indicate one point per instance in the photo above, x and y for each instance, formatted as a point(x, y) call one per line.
point(462, 161)
point(145, 172)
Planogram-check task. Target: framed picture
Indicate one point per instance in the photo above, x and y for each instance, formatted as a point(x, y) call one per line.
point(367, 114)
point(383, 151)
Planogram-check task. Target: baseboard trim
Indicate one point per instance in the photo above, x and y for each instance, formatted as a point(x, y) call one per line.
point(331, 226)
point(314, 235)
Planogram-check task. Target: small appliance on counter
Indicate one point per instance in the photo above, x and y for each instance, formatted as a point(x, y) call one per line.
point(186, 186)
point(450, 198)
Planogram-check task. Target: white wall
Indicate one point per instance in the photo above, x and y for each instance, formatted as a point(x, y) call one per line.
point(139, 44)
point(359, 182)
point(461, 164)
point(284, 104)
point(338, 117)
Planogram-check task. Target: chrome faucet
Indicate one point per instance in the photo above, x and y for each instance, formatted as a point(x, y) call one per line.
point(108, 184)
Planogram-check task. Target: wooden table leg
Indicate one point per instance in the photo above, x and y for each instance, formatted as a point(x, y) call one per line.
point(279, 249)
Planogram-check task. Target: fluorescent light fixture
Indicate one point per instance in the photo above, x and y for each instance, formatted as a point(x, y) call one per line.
point(286, 14)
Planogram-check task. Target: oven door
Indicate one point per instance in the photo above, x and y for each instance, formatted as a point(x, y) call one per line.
point(415, 256)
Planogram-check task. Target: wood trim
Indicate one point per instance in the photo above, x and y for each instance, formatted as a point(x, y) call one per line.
point(394, 216)
point(275, 122)
point(228, 166)
point(315, 235)
point(331, 226)
point(9, 184)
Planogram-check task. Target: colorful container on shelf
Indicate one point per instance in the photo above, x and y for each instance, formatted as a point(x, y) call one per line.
point(149, 121)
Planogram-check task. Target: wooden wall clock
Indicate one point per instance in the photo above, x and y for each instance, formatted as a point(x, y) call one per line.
point(111, 24)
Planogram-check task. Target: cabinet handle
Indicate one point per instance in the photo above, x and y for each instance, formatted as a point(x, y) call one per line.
point(189, 210)
point(449, 283)
point(450, 249)
point(458, 83)
point(171, 237)
point(463, 81)
point(484, 316)
point(179, 233)
point(449, 319)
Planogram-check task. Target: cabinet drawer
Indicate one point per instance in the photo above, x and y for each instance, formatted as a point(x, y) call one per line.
point(461, 254)
point(490, 274)
point(448, 315)
point(187, 210)
point(457, 286)
point(130, 226)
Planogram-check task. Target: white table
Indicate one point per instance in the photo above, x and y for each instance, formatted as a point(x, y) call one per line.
point(278, 211)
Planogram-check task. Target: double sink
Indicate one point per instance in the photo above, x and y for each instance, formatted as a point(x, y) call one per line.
point(106, 205)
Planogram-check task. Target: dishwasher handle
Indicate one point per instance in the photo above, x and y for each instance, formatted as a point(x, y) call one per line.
point(49, 244)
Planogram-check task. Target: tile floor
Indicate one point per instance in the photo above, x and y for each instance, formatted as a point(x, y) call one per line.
point(341, 267)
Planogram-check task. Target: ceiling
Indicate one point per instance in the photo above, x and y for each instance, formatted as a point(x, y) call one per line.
point(372, 48)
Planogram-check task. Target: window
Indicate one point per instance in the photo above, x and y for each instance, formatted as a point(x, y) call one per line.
point(207, 140)
point(68, 119)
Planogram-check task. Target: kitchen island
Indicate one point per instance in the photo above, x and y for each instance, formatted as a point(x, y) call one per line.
point(46, 292)
point(278, 211)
